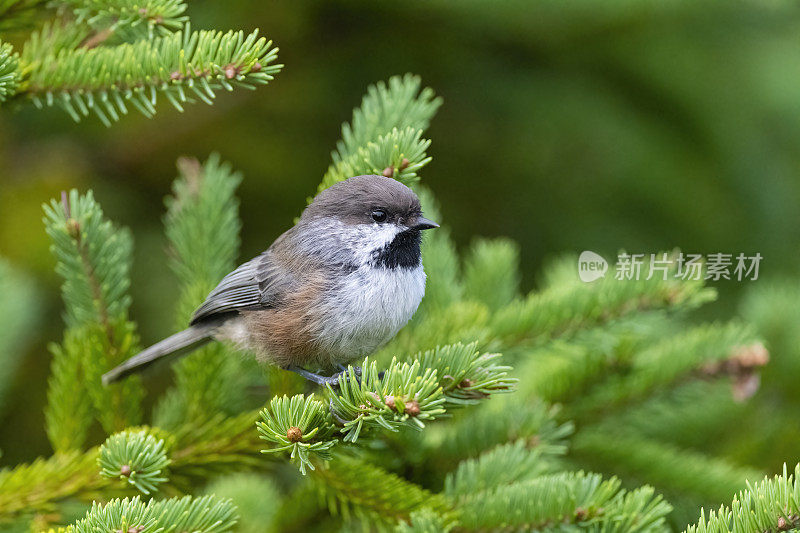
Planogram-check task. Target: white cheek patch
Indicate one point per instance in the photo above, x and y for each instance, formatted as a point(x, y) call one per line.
point(369, 238)
point(360, 240)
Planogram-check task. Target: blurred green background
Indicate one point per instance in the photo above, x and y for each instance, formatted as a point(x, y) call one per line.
point(566, 126)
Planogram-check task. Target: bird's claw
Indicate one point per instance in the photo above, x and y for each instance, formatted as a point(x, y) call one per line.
point(333, 380)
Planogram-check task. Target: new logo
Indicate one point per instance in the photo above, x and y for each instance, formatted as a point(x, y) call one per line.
point(591, 266)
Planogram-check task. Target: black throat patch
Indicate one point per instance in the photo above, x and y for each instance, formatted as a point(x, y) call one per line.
point(403, 251)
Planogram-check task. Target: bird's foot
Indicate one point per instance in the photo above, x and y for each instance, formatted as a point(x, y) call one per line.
point(332, 380)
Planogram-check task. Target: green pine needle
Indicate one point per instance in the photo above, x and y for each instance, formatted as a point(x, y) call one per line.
point(94, 258)
point(771, 505)
point(300, 424)
point(573, 305)
point(205, 514)
point(385, 133)
point(466, 375)
point(502, 465)
point(493, 423)
point(407, 394)
point(68, 413)
point(397, 153)
point(202, 225)
point(574, 498)
point(131, 18)
point(360, 491)
point(181, 66)
point(137, 457)
point(425, 520)
point(9, 72)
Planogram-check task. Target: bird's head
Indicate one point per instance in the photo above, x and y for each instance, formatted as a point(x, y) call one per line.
point(377, 219)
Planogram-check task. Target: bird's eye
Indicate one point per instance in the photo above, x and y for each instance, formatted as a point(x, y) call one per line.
point(379, 215)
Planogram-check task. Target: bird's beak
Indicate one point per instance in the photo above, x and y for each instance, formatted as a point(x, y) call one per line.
point(423, 223)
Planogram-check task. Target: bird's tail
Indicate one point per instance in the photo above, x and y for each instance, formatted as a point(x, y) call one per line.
point(182, 342)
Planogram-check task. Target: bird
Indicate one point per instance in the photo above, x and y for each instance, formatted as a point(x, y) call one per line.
point(333, 288)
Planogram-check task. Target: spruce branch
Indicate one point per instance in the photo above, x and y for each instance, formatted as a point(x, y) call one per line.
point(358, 490)
point(299, 424)
point(396, 104)
point(694, 415)
point(567, 307)
point(40, 485)
point(665, 364)
point(564, 499)
point(384, 135)
point(93, 257)
point(53, 38)
point(424, 520)
point(406, 394)
point(68, 413)
point(204, 514)
point(217, 445)
point(396, 154)
point(9, 71)
point(771, 505)
point(130, 19)
point(563, 369)
point(465, 374)
point(197, 451)
point(180, 66)
point(671, 469)
point(202, 226)
point(69, 410)
point(104, 346)
point(135, 457)
point(491, 272)
point(492, 424)
point(504, 464)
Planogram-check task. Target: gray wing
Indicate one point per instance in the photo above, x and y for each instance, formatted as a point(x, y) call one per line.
point(256, 284)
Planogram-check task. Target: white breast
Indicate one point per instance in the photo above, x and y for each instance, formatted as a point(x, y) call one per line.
point(367, 309)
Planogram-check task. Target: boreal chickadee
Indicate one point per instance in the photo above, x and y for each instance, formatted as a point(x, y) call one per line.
point(335, 287)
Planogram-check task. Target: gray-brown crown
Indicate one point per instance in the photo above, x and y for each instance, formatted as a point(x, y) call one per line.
point(354, 199)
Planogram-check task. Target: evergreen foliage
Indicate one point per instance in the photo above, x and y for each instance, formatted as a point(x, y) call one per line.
point(298, 424)
point(256, 497)
point(771, 505)
point(384, 135)
point(202, 515)
point(103, 57)
point(93, 257)
point(136, 457)
point(18, 314)
point(132, 19)
point(9, 76)
point(436, 432)
point(202, 225)
point(557, 501)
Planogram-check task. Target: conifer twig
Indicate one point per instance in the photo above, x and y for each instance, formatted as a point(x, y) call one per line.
point(181, 66)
